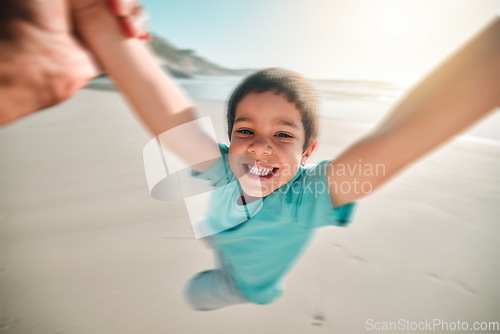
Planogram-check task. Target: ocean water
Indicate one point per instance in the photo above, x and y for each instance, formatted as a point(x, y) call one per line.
point(365, 102)
point(356, 101)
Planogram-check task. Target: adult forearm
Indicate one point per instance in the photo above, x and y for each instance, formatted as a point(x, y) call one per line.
point(38, 69)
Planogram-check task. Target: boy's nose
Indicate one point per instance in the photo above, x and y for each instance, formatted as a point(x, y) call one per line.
point(260, 147)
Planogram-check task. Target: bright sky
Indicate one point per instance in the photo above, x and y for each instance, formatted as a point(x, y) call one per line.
point(390, 40)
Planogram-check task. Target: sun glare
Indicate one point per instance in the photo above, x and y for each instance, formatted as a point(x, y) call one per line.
point(393, 21)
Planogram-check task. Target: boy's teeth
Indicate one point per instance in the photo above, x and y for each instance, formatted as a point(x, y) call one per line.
point(260, 172)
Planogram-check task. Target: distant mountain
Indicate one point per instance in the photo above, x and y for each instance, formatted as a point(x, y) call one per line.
point(185, 63)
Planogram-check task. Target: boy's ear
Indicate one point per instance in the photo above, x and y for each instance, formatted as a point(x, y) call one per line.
point(313, 146)
point(310, 149)
point(308, 152)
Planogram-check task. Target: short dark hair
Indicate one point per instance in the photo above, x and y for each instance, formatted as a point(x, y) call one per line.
point(295, 88)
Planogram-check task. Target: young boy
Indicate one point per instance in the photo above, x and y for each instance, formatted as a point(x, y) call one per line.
point(272, 124)
point(268, 201)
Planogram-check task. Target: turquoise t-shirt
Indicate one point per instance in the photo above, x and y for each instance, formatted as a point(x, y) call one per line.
point(263, 239)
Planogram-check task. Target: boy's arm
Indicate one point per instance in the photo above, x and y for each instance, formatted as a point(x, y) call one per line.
point(158, 101)
point(42, 63)
point(456, 95)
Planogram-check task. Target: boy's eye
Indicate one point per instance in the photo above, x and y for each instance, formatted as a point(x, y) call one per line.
point(283, 135)
point(245, 131)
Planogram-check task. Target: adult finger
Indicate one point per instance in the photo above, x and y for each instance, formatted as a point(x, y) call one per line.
point(123, 8)
point(135, 24)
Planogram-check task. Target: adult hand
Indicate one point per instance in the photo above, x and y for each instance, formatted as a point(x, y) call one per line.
point(42, 62)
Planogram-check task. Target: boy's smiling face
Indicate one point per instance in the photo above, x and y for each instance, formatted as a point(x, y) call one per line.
point(267, 140)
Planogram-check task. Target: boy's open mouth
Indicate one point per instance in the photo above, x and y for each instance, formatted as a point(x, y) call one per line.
point(259, 172)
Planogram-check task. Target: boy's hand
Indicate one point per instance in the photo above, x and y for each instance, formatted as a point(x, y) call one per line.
point(155, 97)
point(130, 14)
point(42, 62)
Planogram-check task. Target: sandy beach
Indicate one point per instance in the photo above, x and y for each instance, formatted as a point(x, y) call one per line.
point(84, 249)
